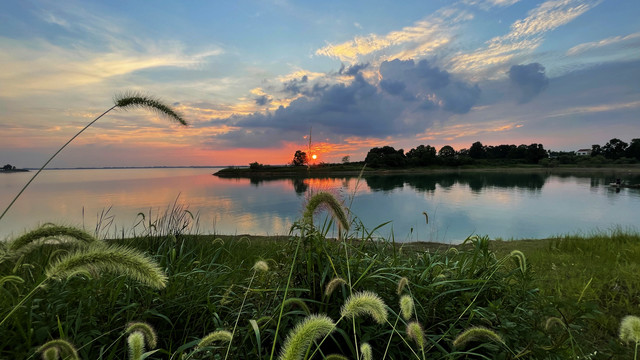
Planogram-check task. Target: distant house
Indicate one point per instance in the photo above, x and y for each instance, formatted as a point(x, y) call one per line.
point(583, 152)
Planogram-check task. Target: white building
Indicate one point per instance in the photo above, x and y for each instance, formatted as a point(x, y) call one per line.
point(583, 152)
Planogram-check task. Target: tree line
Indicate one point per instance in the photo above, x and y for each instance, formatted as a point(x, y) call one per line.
point(616, 151)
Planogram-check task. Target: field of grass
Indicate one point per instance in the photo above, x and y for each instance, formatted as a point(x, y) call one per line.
point(309, 296)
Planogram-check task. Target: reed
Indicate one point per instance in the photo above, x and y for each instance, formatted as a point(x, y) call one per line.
point(58, 348)
point(630, 332)
point(97, 259)
point(124, 101)
point(365, 303)
point(300, 338)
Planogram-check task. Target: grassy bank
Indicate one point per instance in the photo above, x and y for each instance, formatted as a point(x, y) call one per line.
point(355, 169)
point(405, 301)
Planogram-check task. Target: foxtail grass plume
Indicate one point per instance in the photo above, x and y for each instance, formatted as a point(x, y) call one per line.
point(415, 332)
point(114, 259)
point(552, 321)
point(333, 204)
point(476, 333)
point(365, 302)
point(406, 306)
point(132, 99)
point(123, 101)
point(366, 353)
point(135, 342)
point(402, 283)
point(216, 336)
point(332, 285)
point(312, 328)
point(520, 259)
point(147, 331)
point(261, 265)
point(63, 349)
point(336, 357)
point(630, 329)
point(49, 232)
point(51, 354)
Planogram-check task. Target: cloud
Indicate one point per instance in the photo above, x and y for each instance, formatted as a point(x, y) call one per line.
point(406, 101)
point(422, 38)
point(263, 100)
point(524, 37)
point(530, 80)
point(432, 87)
point(631, 40)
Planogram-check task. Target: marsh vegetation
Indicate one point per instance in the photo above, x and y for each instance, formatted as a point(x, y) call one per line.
point(310, 296)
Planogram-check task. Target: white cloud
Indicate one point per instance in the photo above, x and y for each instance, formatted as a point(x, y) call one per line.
point(421, 38)
point(524, 37)
point(631, 39)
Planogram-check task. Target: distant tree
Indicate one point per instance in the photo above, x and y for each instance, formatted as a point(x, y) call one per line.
point(300, 158)
point(447, 152)
point(633, 151)
point(423, 155)
point(8, 167)
point(477, 151)
point(385, 156)
point(535, 153)
point(596, 150)
point(614, 149)
point(346, 159)
point(500, 151)
point(255, 166)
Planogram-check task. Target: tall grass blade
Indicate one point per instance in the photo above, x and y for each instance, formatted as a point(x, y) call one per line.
point(124, 101)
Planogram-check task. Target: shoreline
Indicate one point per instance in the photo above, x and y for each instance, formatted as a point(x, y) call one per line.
point(288, 171)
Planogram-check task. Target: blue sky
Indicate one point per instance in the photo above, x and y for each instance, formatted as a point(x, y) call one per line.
point(253, 77)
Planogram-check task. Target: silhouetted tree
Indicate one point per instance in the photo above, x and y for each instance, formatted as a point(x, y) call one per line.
point(477, 151)
point(596, 150)
point(423, 155)
point(614, 149)
point(633, 151)
point(535, 153)
point(299, 158)
point(385, 156)
point(447, 152)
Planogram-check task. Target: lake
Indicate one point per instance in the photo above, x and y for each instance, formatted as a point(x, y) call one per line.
point(507, 205)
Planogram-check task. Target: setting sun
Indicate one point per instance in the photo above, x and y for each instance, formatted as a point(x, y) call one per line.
point(314, 156)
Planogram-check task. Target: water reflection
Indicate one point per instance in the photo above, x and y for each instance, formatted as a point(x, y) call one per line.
point(508, 205)
point(475, 181)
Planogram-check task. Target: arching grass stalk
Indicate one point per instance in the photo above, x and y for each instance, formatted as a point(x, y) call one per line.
point(258, 266)
point(123, 101)
point(98, 259)
point(364, 303)
point(58, 348)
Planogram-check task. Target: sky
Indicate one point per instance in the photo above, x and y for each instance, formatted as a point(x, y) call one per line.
point(256, 79)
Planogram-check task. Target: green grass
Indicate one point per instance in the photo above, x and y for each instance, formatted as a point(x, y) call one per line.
point(587, 283)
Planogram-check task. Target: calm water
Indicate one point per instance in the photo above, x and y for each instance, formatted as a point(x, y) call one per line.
point(531, 205)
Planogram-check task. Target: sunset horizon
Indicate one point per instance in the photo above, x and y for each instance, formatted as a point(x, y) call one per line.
point(255, 79)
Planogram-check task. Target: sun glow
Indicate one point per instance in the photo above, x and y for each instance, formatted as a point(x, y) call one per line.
point(314, 156)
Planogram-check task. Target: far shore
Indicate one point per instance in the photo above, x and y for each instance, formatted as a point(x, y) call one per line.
point(355, 170)
point(13, 171)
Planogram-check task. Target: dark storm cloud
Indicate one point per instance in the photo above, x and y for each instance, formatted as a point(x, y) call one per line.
point(263, 100)
point(296, 86)
point(352, 70)
point(530, 80)
point(434, 88)
point(410, 96)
